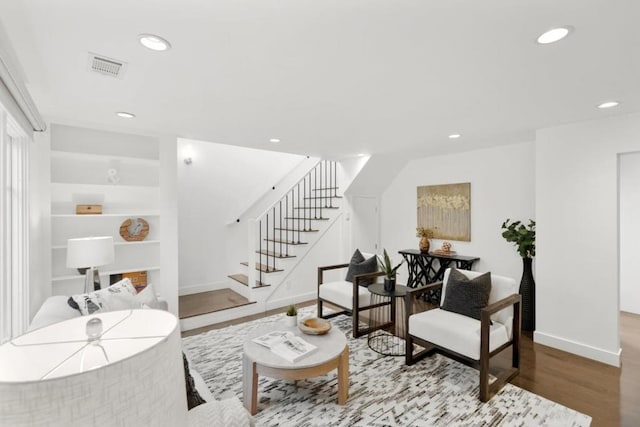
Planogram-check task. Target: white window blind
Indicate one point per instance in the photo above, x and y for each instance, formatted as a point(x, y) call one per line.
point(14, 229)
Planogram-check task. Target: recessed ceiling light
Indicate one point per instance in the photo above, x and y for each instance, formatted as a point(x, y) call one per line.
point(153, 42)
point(125, 115)
point(454, 136)
point(360, 154)
point(554, 35)
point(274, 140)
point(608, 104)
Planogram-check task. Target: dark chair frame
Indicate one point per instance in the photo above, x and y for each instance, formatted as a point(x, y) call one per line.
point(486, 390)
point(354, 312)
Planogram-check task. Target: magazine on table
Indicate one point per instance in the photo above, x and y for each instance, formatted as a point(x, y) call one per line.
point(285, 344)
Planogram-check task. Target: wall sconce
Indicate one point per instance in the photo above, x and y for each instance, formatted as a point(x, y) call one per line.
point(188, 154)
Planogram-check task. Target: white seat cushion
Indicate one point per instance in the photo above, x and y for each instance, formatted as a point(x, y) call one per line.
point(455, 332)
point(340, 292)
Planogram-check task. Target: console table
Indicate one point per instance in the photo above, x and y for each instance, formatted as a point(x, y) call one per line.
point(424, 270)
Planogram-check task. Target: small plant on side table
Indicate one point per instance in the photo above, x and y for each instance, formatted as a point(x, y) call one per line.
point(389, 271)
point(291, 317)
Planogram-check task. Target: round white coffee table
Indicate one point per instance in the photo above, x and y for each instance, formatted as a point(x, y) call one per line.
point(332, 353)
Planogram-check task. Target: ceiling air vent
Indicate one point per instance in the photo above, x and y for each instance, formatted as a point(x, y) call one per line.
point(106, 66)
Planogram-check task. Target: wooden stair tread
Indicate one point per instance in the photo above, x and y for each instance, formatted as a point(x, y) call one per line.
point(262, 267)
point(210, 302)
point(322, 197)
point(295, 230)
point(306, 219)
point(285, 242)
point(317, 207)
point(325, 188)
point(244, 279)
point(274, 254)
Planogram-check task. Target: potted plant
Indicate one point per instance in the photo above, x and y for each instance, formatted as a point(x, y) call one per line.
point(291, 318)
point(524, 238)
point(389, 271)
point(425, 234)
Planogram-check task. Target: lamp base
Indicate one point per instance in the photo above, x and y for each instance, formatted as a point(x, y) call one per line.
point(92, 280)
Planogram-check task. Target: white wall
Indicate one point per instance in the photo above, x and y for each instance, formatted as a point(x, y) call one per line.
point(220, 183)
point(502, 186)
point(577, 234)
point(629, 166)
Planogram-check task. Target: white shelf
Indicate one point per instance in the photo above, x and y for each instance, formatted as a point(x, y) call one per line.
point(143, 242)
point(73, 155)
point(107, 215)
point(101, 187)
point(104, 273)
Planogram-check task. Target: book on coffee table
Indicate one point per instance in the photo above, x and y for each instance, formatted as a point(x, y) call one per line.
point(285, 344)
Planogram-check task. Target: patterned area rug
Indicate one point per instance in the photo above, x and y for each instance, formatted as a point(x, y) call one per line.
point(436, 391)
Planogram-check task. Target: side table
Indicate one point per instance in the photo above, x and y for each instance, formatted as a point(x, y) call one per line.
point(388, 339)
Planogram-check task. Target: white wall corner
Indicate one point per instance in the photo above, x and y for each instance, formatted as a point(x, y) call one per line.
point(584, 350)
point(169, 221)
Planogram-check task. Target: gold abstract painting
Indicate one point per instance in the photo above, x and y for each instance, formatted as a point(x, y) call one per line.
point(446, 209)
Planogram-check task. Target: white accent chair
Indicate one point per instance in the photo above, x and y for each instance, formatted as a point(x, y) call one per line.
point(466, 339)
point(347, 295)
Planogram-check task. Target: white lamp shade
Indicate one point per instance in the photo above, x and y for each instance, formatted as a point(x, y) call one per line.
point(142, 383)
point(90, 252)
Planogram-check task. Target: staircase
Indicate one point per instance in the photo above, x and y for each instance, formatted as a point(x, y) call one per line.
point(283, 230)
point(277, 240)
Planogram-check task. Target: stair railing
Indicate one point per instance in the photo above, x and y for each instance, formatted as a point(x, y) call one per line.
point(283, 223)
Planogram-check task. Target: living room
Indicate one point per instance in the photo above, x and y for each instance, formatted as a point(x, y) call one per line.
point(381, 89)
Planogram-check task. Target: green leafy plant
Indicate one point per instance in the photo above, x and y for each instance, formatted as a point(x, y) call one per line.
point(292, 310)
point(385, 265)
point(523, 236)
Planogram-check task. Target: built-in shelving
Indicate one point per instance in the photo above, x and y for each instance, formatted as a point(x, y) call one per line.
point(83, 163)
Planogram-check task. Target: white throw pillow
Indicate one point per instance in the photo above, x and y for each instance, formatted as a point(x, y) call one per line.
point(119, 296)
point(147, 297)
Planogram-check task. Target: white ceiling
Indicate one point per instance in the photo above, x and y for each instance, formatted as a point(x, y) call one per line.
point(331, 77)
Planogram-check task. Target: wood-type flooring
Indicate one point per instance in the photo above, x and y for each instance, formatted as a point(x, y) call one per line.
point(610, 395)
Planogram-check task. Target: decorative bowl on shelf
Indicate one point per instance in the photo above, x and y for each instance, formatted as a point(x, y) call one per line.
point(314, 326)
point(134, 229)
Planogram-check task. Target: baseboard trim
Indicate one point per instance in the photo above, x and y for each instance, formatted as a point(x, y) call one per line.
point(195, 322)
point(584, 350)
point(283, 302)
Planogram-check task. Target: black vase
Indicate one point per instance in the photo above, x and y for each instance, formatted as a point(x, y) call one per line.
point(389, 284)
point(528, 292)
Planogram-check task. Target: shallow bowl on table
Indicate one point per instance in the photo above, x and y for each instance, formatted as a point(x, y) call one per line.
point(314, 326)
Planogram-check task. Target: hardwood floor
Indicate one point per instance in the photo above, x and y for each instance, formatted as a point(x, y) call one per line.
point(209, 302)
point(611, 396)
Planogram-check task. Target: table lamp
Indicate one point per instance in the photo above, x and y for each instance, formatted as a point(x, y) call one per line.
point(90, 253)
point(45, 379)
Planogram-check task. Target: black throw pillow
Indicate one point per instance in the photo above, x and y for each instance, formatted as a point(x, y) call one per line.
point(359, 265)
point(467, 296)
point(73, 304)
point(193, 397)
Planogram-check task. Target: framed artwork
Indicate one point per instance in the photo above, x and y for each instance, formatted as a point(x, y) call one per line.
point(446, 210)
